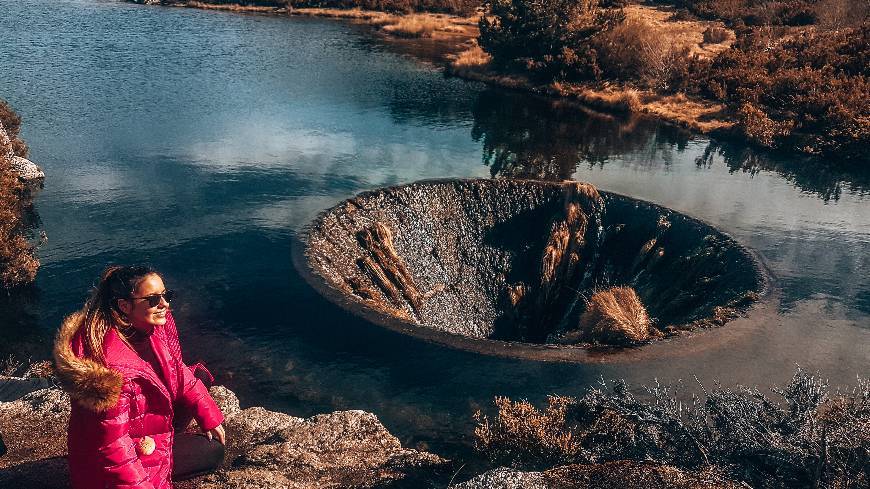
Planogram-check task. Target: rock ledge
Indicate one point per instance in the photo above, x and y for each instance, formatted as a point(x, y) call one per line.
point(265, 449)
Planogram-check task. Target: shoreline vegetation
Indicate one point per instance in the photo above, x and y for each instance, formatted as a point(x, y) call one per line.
point(804, 436)
point(791, 75)
point(18, 262)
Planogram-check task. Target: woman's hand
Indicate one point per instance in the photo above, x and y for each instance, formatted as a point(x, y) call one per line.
point(217, 432)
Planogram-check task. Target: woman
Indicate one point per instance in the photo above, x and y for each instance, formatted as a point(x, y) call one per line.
point(120, 362)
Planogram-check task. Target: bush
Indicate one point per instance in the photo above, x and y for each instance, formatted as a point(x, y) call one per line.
point(808, 92)
point(832, 14)
point(12, 124)
point(805, 438)
point(521, 435)
point(550, 39)
point(18, 264)
point(753, 12)
point(636, 51)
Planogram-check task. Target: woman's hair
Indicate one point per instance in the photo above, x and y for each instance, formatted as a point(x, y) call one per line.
point(101, 310)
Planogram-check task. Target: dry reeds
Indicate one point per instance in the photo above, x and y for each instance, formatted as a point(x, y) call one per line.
point(471, 58)
point(521, 432)
point(615, 316)
point(415, 26)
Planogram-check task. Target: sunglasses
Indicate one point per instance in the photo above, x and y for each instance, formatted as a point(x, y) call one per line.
point(154, 299)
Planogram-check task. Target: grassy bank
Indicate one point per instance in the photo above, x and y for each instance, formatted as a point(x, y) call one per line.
point(439, 22)
point(743, 67)
point(453, 7)
point(18, 263)
point(804, 436)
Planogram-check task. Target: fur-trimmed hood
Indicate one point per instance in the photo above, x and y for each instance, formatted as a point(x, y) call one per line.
point(91, 384)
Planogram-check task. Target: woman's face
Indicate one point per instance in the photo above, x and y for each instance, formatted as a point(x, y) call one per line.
point(141, 315)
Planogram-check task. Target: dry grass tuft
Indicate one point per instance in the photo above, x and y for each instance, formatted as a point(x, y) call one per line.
point(473, 57)
point(616, 317)
point(415, 26)
point(523, 434)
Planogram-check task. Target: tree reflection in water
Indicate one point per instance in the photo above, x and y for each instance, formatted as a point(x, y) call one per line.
point(532, 137)
point(19, 306)
point(827, 179)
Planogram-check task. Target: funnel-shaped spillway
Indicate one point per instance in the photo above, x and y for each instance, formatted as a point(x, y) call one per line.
point(522, 261)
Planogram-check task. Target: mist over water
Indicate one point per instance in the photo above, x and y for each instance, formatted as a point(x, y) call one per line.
point(204, 142)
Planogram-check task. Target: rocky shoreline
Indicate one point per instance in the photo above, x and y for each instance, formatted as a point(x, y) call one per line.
point(268, 449)
point(265, 449)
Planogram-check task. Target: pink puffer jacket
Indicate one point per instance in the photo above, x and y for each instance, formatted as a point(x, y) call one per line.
point(118, 409)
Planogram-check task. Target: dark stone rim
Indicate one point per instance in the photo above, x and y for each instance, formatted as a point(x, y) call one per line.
point(510, 349)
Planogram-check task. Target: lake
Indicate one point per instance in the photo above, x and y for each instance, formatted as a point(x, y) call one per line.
point(204, 142)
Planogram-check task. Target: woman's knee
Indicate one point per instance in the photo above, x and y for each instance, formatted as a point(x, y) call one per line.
point(195, 454)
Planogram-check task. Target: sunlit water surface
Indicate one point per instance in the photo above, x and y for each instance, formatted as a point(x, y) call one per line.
point(204, 142)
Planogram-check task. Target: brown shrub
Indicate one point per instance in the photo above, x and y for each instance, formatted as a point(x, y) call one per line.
point(522, 434)
point(759, 127)
point(636, 50)
point(802, 438)
point(806, 92)
point(12, 123)
point(839, 14)
point(753, 12)
point(473, 57)
point(615, 316)
point(415, 26)
point(18, 264)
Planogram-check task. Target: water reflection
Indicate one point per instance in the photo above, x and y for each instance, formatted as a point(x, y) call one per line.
point(19, 307)
point(826, 179)
point(530, 137)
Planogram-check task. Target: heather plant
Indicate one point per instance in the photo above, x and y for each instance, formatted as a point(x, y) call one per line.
point(806, 91)
point(12, 125)
point(826, 13)
point(18, 264)
point(636, 51)
point(805, 436)
point(547, 38)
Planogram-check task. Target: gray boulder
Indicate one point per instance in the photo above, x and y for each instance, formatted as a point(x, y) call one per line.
point(505, 478)
point(26, 169)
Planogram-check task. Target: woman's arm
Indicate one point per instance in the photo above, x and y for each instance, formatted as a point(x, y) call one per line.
point(194, 399)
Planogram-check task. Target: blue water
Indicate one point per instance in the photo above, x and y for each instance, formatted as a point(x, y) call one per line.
point(203, 142)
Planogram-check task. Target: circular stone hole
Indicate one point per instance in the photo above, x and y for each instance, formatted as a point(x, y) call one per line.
point(527, 261)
